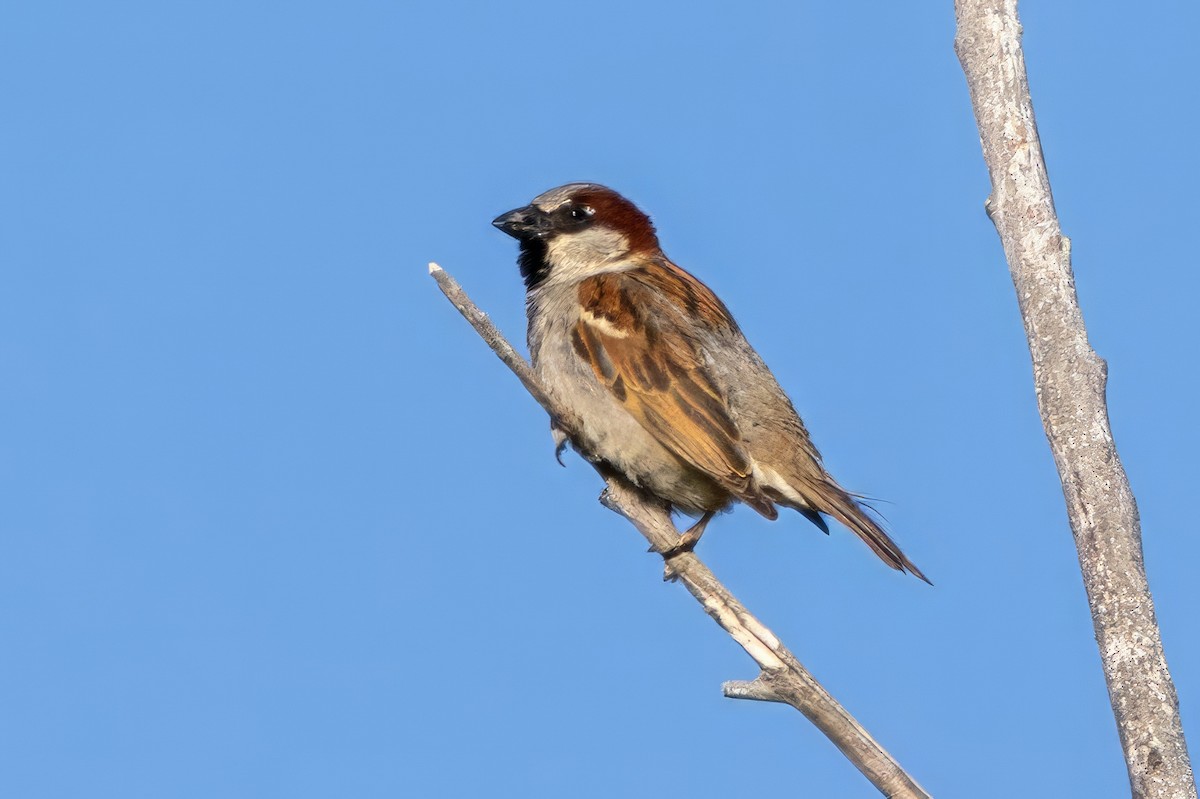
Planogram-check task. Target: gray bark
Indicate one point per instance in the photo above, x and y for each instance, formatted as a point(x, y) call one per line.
point(782, 677)
point(1070, 380)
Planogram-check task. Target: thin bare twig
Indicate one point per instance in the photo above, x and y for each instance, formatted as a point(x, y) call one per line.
point(783, 678)
point(1070, 379)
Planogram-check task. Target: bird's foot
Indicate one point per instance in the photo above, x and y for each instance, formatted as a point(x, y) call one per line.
point(560, 443)
point(687, 542)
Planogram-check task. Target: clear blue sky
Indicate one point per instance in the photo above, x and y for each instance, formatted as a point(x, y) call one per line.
point(274, 522)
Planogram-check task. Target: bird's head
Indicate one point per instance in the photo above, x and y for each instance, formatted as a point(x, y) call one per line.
point(575, 231)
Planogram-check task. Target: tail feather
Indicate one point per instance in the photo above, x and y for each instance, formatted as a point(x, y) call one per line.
point(832, 499)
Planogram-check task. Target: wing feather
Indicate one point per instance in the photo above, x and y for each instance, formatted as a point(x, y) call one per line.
point(657, 372)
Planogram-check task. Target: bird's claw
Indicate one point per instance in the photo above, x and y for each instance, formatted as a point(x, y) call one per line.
point(686, 543)
point(560, 444)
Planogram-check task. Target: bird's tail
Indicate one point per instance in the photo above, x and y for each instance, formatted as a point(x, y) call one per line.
point(835, 501)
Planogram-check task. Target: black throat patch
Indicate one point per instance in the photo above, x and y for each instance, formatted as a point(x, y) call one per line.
point(532, 261)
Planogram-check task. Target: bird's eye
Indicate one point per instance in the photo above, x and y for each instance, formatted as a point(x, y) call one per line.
point(581, 213)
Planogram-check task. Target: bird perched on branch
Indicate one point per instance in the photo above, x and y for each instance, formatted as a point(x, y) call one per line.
point(667, 390)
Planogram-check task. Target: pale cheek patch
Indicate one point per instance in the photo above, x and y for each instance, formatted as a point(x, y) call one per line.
point(590, 252)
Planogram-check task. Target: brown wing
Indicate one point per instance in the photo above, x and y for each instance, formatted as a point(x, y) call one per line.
point(630, 334)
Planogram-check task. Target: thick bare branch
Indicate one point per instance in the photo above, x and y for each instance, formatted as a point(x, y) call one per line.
point(783, 678)
point(1070, 381)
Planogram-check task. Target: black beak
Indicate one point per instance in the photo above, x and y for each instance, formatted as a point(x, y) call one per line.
point(525, 223)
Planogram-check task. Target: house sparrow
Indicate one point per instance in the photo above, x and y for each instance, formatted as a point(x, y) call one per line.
point(668, 392)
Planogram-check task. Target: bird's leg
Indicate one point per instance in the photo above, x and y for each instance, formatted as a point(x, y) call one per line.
point(687, 542)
